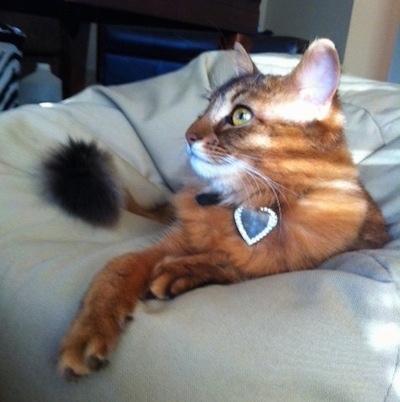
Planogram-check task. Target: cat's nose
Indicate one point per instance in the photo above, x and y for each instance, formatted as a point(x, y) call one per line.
point(191, 137)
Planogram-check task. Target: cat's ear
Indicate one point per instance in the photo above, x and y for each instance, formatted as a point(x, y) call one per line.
point(318, 73)
point(244, 64)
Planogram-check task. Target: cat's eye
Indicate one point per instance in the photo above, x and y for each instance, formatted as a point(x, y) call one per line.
point(241, 115)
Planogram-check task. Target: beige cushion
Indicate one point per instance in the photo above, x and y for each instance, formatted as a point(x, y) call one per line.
point(331, 334)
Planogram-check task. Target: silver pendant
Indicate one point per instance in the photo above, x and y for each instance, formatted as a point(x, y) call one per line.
point(255, 225)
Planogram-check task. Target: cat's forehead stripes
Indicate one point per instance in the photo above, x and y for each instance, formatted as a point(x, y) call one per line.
point(237, 94)
point(230, 95)
point(271, 97)
point(220, 108)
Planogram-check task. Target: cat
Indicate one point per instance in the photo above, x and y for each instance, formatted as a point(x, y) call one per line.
point(277, 191)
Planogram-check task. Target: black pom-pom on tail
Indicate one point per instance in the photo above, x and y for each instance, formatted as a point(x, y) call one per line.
point(81, 179)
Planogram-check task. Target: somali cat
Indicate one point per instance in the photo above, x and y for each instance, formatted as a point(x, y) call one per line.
point(277, 192)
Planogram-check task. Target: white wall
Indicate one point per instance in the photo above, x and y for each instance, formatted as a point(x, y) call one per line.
point(364, 31)
point(263, 16)
point(91, 63)
point(371, 39)
point(309, 19)
point(394, 72)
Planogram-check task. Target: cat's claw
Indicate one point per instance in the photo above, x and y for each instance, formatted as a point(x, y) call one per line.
point(86, 347)
point(93, 363)
point(97, 364)
point(70, 375)
point(73, 362)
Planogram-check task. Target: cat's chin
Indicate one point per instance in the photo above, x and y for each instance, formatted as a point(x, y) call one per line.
point(218, 178)
point(212, 171)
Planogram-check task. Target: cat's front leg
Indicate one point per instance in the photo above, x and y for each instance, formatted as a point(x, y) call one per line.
point(175, 275)
point(106, 308)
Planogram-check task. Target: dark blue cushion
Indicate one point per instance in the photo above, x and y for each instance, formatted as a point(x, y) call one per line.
point(158, 43)
point(135, 53)
point(119, 69)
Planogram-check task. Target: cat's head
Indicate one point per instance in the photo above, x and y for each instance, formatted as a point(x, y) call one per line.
point(259, 127)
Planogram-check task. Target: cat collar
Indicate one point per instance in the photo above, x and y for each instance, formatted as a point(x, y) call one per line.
point(254, 225)
point(205, 199)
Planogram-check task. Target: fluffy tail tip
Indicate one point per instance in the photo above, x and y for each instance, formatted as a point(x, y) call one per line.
point(81, 179)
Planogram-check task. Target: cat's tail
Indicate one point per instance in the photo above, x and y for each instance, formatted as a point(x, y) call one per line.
point(81, 179)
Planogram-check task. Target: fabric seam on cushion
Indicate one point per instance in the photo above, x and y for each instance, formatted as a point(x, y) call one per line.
point(396, 368)
point(397, 360)
point(364, 252)
point(391, 122)
point(368, 113)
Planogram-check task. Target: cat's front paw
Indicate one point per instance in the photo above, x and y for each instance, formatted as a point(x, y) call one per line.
point(86, 346)
point(172, 277)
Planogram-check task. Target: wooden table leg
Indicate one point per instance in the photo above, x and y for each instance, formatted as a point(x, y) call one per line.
point(227, 40)
point(75, 40)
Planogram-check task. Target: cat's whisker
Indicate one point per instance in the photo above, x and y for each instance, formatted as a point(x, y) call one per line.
point(271, 185)
point(244, 179)
point(258, 178)
point(277, 186)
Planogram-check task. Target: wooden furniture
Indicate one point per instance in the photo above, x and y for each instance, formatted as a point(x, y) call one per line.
point(237, 20)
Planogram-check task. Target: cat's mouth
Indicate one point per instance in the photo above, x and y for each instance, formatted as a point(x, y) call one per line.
point(200, 158)
point(203, 166)
point(208, 168)
point(196, 152)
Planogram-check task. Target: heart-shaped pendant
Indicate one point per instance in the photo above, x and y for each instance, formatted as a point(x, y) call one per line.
point(255, 225)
